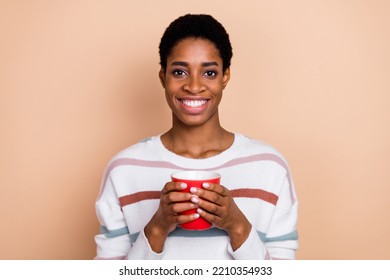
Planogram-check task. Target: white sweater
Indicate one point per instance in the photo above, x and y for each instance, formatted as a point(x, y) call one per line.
point(255, 173)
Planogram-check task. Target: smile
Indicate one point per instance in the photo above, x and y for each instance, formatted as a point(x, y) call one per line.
point(193, 103)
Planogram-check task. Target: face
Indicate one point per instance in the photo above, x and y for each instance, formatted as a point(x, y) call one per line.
point(194, 81)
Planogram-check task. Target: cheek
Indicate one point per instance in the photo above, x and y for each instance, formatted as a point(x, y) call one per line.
point(171, 87)
point(170, 97)
point(216, 89)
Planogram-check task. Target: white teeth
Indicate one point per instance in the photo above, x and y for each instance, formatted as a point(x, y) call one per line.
point(193, 103)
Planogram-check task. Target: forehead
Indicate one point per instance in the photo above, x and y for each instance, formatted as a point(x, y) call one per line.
point(193, 49)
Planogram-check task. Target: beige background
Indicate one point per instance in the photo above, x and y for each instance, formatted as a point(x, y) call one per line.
point(78, 83)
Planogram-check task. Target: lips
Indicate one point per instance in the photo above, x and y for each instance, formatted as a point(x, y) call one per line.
point(193, 106)
point(193, 103)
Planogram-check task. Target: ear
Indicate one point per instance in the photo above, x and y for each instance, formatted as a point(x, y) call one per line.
point(226, 78)
point(161, 75)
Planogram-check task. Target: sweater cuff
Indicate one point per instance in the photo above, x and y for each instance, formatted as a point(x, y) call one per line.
point(252, 249)
point(141, 249)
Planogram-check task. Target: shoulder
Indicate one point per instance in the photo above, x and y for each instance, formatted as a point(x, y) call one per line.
point(143, 149)
point(254, 146)
point(255, 150)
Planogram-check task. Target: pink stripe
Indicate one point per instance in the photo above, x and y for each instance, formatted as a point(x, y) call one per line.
point(168, 165)
point(112, 258)
point(245, 193)
point(261, 157)
point(134, 162)
point(256, 193)
point(139, 196)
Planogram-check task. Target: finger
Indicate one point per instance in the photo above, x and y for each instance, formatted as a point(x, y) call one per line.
point(173, 186)
point(216, 188)
point(210, 207)
point(174, 192)
point(209, 195)
point(214, 219)
point(174, 197)
point(181, 207)
point(181, 219)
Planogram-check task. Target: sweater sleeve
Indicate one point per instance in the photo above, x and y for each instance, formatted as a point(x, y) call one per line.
point(281, 239)
point(252, 249)
point(141, 250)
point(114, 240)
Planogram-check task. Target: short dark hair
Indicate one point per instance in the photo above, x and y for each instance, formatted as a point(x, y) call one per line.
point(196, 26)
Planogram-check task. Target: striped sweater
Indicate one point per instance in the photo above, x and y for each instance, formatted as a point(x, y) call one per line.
point(255, 173)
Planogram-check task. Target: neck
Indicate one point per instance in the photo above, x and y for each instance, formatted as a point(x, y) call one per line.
point(197, 141)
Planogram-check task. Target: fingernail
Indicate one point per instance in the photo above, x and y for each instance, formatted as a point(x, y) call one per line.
point(193, 189)
point(206, 185)
point(196, 215)
point(183, 185)
point(194, 199)
point(199, 210)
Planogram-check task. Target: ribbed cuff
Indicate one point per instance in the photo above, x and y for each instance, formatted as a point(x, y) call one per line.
point(141, 250)
point(252, 249)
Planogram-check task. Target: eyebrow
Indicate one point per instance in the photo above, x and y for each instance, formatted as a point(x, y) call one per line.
point(204, 64)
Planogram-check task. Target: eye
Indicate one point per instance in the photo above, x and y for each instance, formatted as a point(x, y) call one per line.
point(179, 73)
point(210, 73)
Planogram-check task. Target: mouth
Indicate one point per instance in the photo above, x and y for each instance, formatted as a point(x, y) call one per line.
point(193, 103)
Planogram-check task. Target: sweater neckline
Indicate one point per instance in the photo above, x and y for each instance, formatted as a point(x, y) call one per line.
point(224, 156)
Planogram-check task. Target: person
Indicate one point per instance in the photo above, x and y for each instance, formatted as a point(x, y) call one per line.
point(253, 210)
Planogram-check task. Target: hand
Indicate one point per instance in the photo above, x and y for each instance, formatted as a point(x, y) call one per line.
point(218, 207)
point(172, 201)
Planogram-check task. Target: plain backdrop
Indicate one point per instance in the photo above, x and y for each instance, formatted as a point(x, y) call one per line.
point(79, 82)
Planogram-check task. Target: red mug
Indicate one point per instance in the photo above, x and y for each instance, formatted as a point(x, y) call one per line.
point(195, 178)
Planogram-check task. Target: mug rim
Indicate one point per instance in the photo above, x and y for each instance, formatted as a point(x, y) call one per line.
point(195, 175)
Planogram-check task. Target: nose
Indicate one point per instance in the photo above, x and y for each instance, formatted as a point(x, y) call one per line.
point(194, 85)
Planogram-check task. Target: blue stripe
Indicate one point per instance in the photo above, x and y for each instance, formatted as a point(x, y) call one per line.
point(133, 237)
point(113, 233)
point(289, 236)
point(145, 140)
point(214, 232)
point(179, 232)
